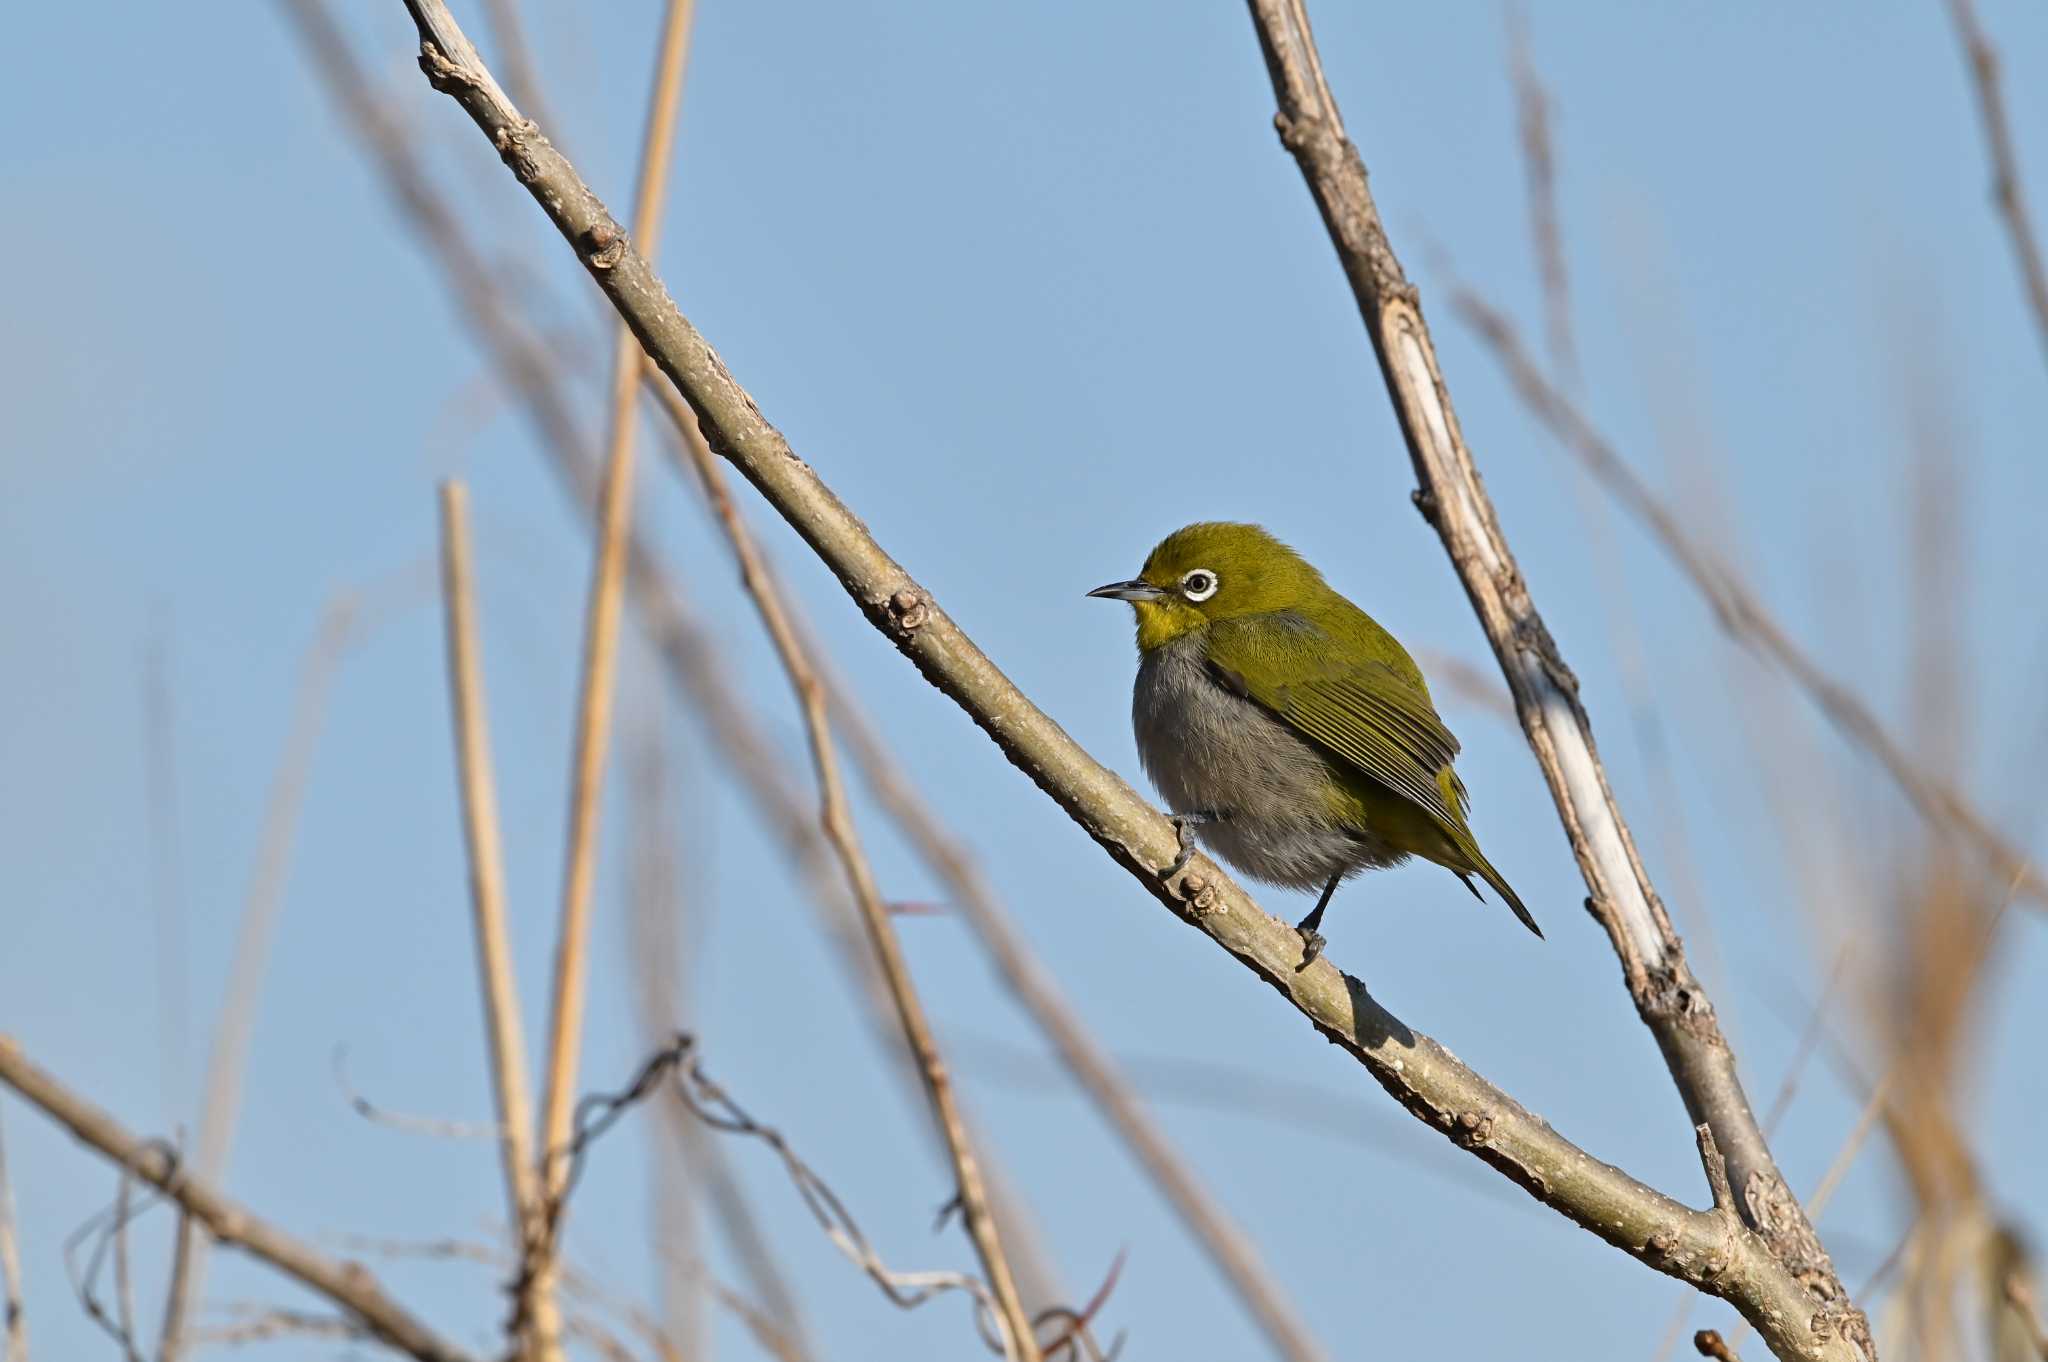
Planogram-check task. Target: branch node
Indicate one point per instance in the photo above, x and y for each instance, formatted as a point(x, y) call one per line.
point(1717, 1173)
point(449, 77)
point(1474, 1128)
point(603, 244)
point(909, 610)
point(1425, 505)
point(1199, 894)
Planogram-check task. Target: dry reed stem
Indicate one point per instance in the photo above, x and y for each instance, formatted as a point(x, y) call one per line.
point(1091, 1067)
point(1708, 1248)
point(348, 1285)
point(1094, 1071)
point(600, 658)
point(13, 1305)
point(2005, 171)
point(837, 819)
point(222, 1101)
point(1737, 608)
point(2019, 1294)
point(689, 654)
point(654, 947)
point(496, 979)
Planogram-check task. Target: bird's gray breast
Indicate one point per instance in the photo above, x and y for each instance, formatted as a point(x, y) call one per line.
point(1210, 750)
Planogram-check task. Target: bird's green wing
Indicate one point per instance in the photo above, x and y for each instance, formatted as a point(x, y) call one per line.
point(1364, 710)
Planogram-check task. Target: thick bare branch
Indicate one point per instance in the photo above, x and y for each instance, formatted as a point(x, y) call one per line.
point(688, 648)
point(1452, 498)
point(348, 1285)
point(1701, 1247)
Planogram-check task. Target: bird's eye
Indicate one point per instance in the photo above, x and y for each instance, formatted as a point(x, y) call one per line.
point(1198, 585)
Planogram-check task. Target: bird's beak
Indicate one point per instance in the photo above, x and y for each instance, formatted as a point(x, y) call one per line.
point(1134, 590)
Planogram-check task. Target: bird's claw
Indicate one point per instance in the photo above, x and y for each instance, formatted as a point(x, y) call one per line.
point(1184, 833)
point(1312, 944)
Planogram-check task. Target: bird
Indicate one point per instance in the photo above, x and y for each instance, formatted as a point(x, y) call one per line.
point(1284, 727)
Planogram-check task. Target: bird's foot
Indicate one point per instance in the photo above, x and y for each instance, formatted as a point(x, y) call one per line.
point(1195, 889)
point(1312, 944)
point(1184, 825)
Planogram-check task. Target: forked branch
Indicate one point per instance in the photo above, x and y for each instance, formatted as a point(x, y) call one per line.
point(1705, 1248)
point(1670, 1001)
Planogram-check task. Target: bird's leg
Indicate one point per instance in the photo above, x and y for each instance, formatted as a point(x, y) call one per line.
point(1184, 825)
point(1311, 939)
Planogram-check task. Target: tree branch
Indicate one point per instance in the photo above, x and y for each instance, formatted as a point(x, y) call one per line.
point(1694, 1246)
point(687, 647)
point(348, 1285)
point(1452, 498)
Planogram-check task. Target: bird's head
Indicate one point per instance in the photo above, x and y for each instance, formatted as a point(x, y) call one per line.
point(1210, 571)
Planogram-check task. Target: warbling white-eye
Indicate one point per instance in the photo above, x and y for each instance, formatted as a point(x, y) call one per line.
point(1285, 726)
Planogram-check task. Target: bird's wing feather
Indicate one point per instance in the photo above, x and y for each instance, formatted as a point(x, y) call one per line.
point(1364, 712)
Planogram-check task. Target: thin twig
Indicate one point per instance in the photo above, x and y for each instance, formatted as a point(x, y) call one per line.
point(1430, 1083)
point(124, 1277)
point(2005, 171)
point(837, 818)
point(761, 1320)
point(348, 1285)
point(712, 1105)
point(1448, 671)
point(497, 981)
point(1225, 1242)
point(600, 655)
point(411, 1123)
point(266, 1324)
point(1539, 164)
point(1737, 608)
point(229, 1057)
point(13, 1304)
point(1669, 1000)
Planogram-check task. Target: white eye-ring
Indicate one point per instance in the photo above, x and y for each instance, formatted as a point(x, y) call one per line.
point(1199, 585)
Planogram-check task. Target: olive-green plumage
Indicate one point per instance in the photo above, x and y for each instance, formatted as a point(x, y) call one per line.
point(1281, 720)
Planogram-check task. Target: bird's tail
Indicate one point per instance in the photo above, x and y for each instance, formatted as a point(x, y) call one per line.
point(1508, 896)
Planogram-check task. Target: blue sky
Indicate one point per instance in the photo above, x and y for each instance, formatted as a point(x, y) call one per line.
point(1029, 286)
